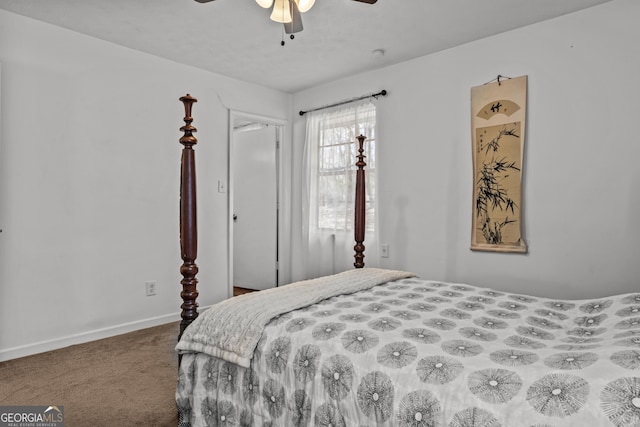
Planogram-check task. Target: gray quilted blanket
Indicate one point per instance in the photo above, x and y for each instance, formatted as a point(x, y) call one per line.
point(231, 329)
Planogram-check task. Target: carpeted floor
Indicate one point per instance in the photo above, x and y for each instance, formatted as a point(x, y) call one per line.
point(127, 380)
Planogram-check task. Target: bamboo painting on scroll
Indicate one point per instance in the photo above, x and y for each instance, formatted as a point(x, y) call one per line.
point(498, 112)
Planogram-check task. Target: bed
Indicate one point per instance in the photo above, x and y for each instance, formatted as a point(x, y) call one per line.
point(382, 347)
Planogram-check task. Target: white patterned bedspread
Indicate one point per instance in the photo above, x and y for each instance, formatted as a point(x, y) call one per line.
point(422, 353)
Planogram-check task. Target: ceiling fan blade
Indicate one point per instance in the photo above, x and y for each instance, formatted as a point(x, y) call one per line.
point(362, 1)
point(203, 1)
point(295, 26)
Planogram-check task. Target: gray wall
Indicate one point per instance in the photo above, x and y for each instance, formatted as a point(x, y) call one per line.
point(89, 181)
point(581, 178)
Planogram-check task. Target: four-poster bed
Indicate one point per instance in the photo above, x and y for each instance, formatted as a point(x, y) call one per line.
point(383, 347)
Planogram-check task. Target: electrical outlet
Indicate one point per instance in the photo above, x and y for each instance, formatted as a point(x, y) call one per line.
point(151, 288)
point(222, 187)
point(384, 250)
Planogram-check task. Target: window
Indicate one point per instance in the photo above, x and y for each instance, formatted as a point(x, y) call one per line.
point(336, 171)
point(329, 187)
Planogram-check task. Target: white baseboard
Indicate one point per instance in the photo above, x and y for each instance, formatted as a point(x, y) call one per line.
point(55, 344)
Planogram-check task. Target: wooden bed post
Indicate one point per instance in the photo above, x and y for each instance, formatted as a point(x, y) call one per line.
point(188, 222)
point(360, 207)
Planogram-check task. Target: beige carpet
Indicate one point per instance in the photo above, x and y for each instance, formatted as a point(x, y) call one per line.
point(128, 380)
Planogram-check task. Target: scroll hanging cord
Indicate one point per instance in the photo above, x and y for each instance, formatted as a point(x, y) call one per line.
point(500, 76)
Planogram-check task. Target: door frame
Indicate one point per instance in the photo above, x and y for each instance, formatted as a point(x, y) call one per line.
point(283, 226)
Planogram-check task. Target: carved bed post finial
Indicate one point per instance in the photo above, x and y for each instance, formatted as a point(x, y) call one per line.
point(188, 222)
point(360, 207)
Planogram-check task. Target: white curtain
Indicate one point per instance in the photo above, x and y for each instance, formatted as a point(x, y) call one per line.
point(329, 188)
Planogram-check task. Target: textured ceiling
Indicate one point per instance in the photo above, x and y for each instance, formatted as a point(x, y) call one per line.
point(236, 38)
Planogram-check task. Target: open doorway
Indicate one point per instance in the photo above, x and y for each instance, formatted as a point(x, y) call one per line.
point(254, 202)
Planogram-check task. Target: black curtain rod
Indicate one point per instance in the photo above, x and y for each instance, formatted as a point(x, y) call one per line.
point(373, 95)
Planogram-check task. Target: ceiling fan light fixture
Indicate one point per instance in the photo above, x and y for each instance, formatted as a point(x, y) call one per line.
point(266, 4)
point(281, 11)
point(304, 5)
point(287, 12)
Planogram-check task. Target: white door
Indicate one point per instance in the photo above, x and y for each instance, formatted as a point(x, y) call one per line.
point(255, 208)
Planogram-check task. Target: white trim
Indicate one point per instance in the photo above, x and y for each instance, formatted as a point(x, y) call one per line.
point(284, 185)
point(84, 337)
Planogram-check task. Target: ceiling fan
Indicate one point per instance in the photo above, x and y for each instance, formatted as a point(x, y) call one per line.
point(288, 12)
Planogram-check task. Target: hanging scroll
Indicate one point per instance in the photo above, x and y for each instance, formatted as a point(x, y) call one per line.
point(498, 112)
